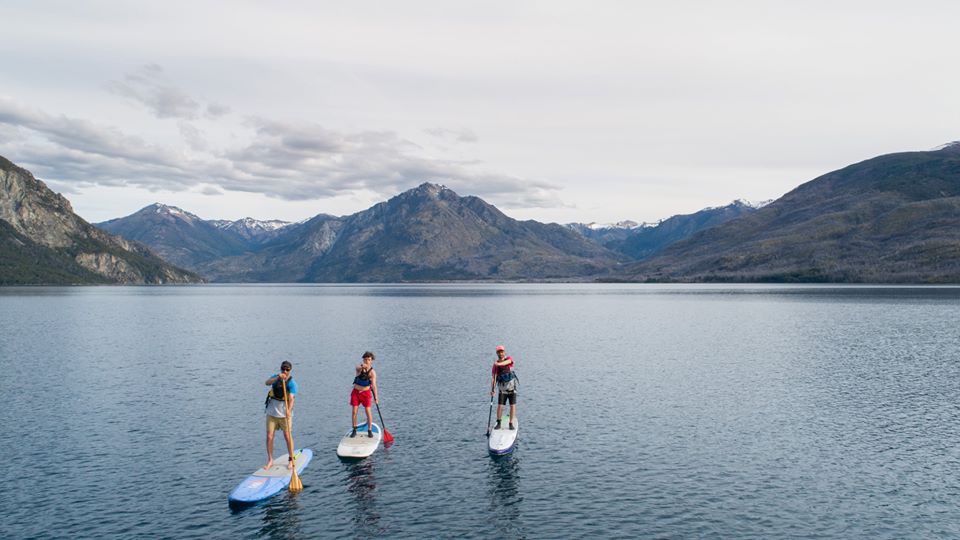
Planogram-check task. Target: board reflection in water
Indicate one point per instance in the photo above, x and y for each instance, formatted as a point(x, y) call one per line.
point(362, 486)
point(282, 518)
point(504, 495)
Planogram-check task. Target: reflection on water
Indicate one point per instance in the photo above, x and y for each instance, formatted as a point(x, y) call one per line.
point(362, 486)
point(504, 495)
point(281, 518)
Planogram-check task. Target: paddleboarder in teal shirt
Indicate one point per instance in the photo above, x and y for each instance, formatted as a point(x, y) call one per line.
point(277, 412)
point(505, 380)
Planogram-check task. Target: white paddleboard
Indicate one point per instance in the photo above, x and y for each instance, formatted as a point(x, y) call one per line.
point(360, 446)
point(265, 483)
point(503, 440)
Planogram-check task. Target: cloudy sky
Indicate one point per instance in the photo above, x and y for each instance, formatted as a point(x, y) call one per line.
point(556, 111)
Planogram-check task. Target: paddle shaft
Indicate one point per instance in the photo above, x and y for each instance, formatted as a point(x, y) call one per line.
point(295, 484)
point(386, 434)
point(490, 412)
point(376, 402)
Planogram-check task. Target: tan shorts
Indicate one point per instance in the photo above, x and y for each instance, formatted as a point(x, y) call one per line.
point(274, 423)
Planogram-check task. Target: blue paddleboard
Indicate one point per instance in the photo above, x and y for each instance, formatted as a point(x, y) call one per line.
point(266, 483)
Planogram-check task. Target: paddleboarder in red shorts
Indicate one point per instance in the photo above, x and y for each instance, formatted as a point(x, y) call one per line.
point(364, 384)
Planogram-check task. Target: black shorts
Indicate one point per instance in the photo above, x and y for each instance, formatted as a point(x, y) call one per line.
point(505, 397)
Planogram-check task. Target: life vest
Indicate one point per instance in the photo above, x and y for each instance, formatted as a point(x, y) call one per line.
point(506, 379)
point(363, 379)
point(505, 372)
point(276, 391)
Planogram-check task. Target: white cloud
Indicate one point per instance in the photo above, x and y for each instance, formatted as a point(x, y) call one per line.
point(636, 110)
point(463, 135)
point(216, 110)
point(287, 160)
point(148, 87)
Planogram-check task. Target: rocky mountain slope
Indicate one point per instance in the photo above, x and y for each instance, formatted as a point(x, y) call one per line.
point(431, 233)
point(640, 241)
point(648, 241)
point(891, 219)
point(43, 242)
point(424, 234)
point(178, 236)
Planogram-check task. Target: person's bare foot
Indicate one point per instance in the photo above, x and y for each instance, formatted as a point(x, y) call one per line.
point(290, 464)
point(268, 465)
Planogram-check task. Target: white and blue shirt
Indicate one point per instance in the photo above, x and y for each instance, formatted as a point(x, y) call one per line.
point(277, 408)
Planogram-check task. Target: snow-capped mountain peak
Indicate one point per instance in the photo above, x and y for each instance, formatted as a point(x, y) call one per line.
point(250, 224)
point(625, 224)
point(165, 209)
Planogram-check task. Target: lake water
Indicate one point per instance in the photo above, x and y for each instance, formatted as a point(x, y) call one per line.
point(665, 411)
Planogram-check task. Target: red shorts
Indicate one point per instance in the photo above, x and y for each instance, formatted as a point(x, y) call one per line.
point(358, 398)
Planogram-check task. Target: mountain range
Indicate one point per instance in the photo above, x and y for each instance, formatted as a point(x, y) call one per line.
point(43, 241)
point(643, 241)
point(427, 233)
point(891, 219)
point(424, 234)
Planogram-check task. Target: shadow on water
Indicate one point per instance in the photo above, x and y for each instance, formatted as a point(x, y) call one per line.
point(362, 485)
point(281, 518)
point(505, 498)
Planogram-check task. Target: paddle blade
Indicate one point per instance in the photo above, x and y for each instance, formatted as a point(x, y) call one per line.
point(387, 438)
point(296, 486)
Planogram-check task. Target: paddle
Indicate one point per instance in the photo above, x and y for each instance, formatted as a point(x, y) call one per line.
point(296, 485)
point(387, 437)
point(490, 413)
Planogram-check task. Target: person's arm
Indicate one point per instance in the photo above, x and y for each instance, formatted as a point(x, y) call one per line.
point(373, 385)
point(493, 383)
point(290, 408)
point(271, 380)
point(506, 361)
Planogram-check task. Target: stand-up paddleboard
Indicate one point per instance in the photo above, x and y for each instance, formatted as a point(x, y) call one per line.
point(503, 440)
point(360, 446)
point(265, 483)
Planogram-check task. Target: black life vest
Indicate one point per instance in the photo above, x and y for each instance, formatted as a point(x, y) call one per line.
point(363, 379)
point(505, 373)
point(276, 391)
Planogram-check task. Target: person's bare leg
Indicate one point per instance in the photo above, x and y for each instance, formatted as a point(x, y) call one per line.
point(269, 449)
point(499, 412)
point(513, 412)
point(369, 420)
point(354, 424)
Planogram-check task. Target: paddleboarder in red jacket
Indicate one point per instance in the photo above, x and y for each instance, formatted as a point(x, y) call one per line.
point(505, 380)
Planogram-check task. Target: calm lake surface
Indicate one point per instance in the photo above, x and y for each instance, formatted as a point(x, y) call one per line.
point(665, 411)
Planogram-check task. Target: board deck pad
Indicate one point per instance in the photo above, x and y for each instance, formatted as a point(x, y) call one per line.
point(279, 467)
point(502, 440)
point(264, 483)
point(360, 446)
